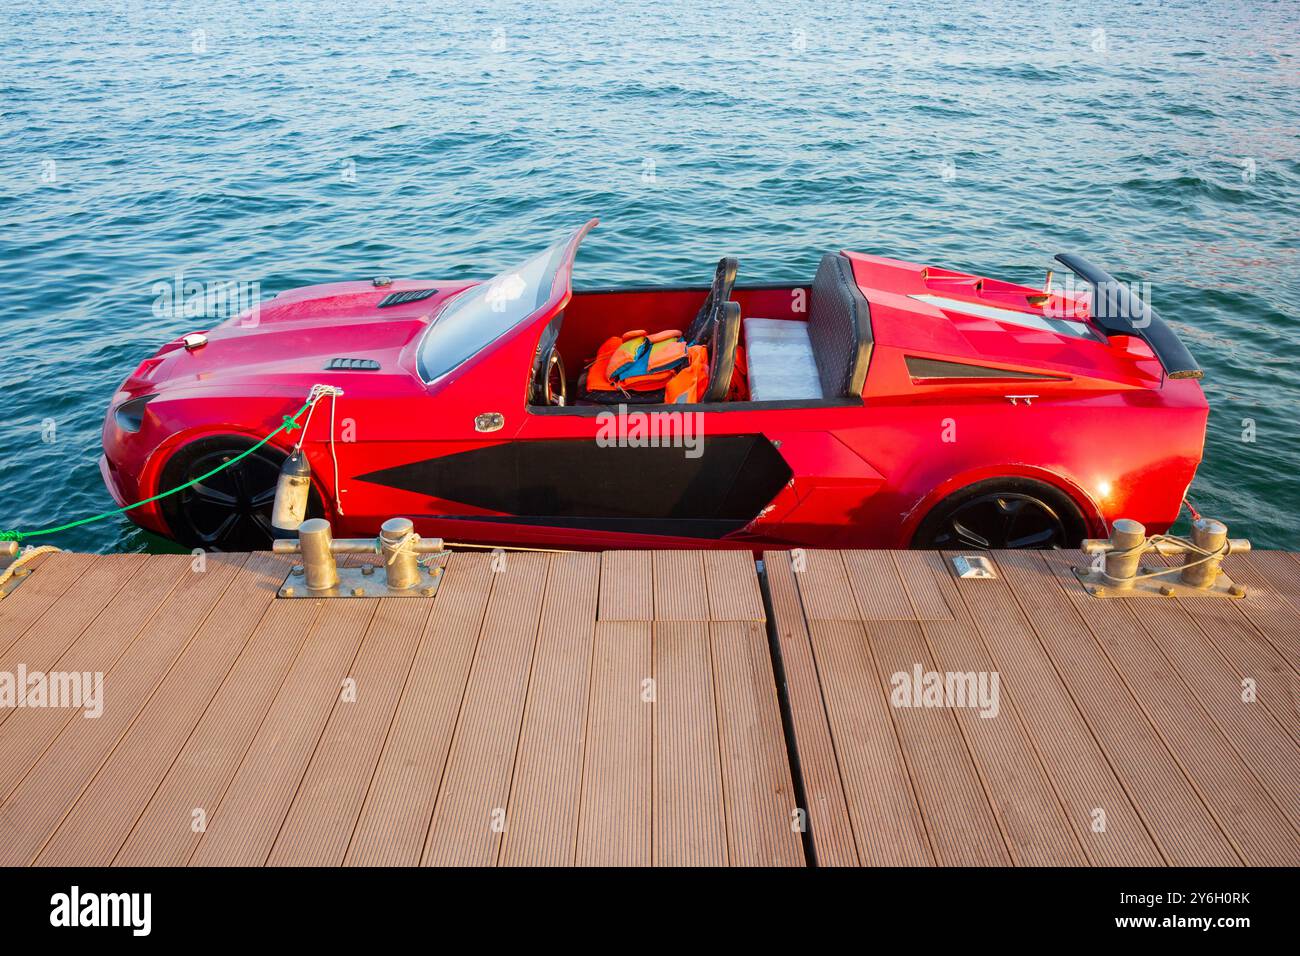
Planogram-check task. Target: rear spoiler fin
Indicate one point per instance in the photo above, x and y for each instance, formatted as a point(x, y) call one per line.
point(1116, 310)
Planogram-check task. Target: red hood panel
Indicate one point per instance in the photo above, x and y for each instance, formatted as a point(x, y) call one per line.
point(958, 317)
point(297, 334)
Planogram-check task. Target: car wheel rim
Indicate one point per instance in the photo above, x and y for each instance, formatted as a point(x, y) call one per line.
point(231, 510)
point(1001, 521)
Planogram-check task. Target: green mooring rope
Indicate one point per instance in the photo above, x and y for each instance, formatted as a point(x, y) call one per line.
point(290, 423)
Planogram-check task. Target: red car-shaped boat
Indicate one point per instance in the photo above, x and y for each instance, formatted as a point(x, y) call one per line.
point(883, 404)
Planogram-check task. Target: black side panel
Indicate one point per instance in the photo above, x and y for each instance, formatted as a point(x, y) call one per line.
point(668, 527)
point(923, 368)
point(578, 483)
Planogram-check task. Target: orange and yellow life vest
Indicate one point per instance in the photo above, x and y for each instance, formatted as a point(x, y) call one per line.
point(638, 361)
point(689, 385)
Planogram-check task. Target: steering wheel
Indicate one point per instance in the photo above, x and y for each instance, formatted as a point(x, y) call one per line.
point(724, 278)
point(555, 387)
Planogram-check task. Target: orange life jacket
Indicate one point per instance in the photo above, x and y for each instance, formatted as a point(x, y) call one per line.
point(637, 362)
point(689, 385)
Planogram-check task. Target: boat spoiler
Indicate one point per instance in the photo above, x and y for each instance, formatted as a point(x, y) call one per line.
point(1116, 310)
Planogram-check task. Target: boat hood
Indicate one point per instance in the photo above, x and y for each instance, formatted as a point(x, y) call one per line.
point(945, 327)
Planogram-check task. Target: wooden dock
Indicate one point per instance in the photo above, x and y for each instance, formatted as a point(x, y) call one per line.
point(640, 708)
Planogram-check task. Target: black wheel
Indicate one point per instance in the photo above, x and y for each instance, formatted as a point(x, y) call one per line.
point(1002, 514)
point(230, 511)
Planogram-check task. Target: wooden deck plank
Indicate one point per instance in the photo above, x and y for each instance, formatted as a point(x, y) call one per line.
point(1256, 735)
point(253, 808)
point(928, 585)
point(50, 636)
point(828, 824)
point(1273, 588)
point(1243, 810)
point(679, 586)
point(1264, 742)
point(1186, 831)
point(470, 813)
point(1244, 634)
point(954, 806)
point(1074, 761)
point(1279, 572)
point(759, 793)
point(34, 809)
point(547, 782)
point(614, 818)
point(824, 586)
point(1271, 610)
point(732, 585)
point(626, 586)
point(887, 823)
point(99, 823)
point(690, 827)
point(189, 796)
point(637, 720)
point(39, 592)
point(394, 820)
point(324, 811)
point(26, 732)
point(1030, 811)
point(877, 587)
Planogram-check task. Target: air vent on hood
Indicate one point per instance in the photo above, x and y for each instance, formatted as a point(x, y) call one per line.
point(924, 368)
point(351, 365)
point(401, 298)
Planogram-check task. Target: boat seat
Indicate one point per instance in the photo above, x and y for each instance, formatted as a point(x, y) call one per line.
point(781, 362)
point(839, 323)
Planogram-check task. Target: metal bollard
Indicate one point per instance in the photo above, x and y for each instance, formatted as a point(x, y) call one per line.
point(398, 543)
point(1208, 535)
point(1127, 538)
point(1200, 575)
point(8, 549)
point(401, 563)
point(317, 545)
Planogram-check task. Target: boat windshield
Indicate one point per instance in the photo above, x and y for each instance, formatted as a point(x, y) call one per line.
point(483, 313)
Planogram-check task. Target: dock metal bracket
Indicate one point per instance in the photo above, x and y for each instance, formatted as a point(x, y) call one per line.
point(1118, 572)
point(14, 580)
point(10, 582)
point(973, 566)
point(405, 572)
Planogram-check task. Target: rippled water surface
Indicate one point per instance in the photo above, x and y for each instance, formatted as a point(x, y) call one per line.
point(293, 143)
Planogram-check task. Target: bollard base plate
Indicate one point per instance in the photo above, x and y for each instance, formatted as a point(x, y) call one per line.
point(367, 581)
point(17, 578)
point(1165, 586)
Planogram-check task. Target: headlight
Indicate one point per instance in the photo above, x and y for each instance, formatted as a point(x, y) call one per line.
point(130, 414)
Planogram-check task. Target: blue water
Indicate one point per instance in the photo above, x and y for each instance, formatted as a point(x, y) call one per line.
point(1157, 137)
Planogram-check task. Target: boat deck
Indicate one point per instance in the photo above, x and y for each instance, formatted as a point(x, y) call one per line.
point(639, 708)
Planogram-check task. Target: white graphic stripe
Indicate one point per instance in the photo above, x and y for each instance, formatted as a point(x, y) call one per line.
point(1026, 319)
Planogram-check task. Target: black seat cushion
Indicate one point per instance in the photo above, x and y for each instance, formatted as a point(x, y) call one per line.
point(723, 339)
point(724, 277)
point(839, 325)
